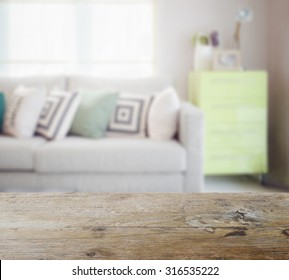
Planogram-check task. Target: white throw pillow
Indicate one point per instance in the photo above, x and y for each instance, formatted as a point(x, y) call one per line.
point(23, 110)
point(163, 116)
point(130, 116)
point(58, 113)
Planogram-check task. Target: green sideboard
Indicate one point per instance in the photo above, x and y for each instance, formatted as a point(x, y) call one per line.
point(235, 107)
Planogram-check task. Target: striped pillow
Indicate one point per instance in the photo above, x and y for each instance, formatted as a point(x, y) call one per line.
point(58, 113)
point(130, 116)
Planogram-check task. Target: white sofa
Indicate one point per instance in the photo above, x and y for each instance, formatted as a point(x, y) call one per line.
point(108, 164)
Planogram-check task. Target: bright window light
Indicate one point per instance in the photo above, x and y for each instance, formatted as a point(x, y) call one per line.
point(100, 37)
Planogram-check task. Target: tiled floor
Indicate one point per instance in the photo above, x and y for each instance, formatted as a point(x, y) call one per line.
point(237, 184)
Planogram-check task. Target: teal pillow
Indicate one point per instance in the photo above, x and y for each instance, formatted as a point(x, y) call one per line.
point(2, 110)
point(94, 113)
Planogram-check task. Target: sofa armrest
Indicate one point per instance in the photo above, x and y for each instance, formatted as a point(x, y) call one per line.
point(191, 136)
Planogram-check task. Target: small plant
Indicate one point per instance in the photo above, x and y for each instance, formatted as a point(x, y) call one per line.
point(202, 39)
point(207, 39)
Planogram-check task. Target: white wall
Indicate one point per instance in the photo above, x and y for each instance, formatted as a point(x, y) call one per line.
point(278, 41)
point(179, 20)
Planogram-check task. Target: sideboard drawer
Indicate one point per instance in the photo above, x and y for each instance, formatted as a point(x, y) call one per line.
point(224, 85)
point(235, 115)
point(242, 135)
point(244, 102)
point(242, 163)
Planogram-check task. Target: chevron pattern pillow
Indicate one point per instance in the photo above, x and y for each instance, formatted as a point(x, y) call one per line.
point(57, 115)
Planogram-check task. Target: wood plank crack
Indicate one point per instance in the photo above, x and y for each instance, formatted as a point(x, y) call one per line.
point(238, 232)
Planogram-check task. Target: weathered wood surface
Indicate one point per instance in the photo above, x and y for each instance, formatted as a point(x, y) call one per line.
point(144, 226)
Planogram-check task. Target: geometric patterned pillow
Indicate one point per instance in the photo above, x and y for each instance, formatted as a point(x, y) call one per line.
point(130, 116)
point(57, 115)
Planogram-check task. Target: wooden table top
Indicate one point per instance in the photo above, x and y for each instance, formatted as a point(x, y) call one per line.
point(144, 226)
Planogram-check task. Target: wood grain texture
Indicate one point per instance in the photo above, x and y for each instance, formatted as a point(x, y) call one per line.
point(144, 226)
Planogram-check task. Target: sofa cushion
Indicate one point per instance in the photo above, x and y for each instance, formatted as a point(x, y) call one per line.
point(93, 115)
point(110, 155)
point(23, 111)
point(136, 86)
point(58, 113)
point(18, 154)
point(163, 116)
point(129, 118)
point(2, 110)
